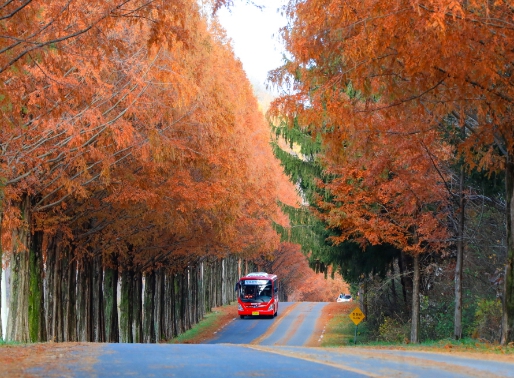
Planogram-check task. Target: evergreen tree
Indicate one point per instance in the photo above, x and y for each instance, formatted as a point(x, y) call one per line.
point(302, 164)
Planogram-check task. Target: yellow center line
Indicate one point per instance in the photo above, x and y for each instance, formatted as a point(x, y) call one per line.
point(305, 357)
point(276, 323)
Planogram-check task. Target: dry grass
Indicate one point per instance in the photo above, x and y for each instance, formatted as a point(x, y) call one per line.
point(209, 326)
point(18, 359)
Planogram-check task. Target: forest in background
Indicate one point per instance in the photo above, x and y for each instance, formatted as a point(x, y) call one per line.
point(134, 155)
point(137, 182)
point(398, 124)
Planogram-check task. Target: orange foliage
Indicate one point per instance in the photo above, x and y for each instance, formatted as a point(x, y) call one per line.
point(135, 132)
point(299, 281)
point(379, 80)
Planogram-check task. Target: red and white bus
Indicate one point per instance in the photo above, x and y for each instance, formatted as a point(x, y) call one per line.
point(257, 294)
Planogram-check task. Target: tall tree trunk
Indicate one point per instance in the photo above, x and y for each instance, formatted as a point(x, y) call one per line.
point(88, 296)
point(18, 321)
point(159, 314)
point(111, 305)
point(186, 301)
point(65, 291)
point(219, 283)
point(208, 284)
point(169, 319)
point(137, 298)
point(36, 308)
point(49, 285)
point(97, 303)
point(126, 306)
point(57, 298)
point(173, 304)
point(457, 331)
point(222, 282)
point(148, 314)
point(71, 305)
point(508, 292)
point(414, 333)
point(193, 289)
point(179, 303)
point(82, 299)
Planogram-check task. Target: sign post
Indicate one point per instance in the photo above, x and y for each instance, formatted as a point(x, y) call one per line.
point(357, 316)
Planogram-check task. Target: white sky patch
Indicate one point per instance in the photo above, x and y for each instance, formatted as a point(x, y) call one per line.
point(255, 36)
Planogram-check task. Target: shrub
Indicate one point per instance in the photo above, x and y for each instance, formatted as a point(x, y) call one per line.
point(392, 330)
point(488, 320)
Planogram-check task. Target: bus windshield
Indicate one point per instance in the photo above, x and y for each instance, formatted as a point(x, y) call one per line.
point(255, 290)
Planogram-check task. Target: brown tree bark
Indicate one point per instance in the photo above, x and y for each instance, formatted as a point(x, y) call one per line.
point(169, 325)
point(457, 330)
point(49, 285)
point(18, 321)
point(71, 304)
point(137, 307)
point(82, 299)
point(173, 305)
point(508, 291)
point(64, 291)
point(148, 314)
point(178, 304)
point(36, 305)
point(414, 334)
point(126, 306)
point(111, 305)
point(97, 300)
point(159, 313)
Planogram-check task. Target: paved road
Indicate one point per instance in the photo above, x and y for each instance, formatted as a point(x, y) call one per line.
point(294, 326)
point(271, 348)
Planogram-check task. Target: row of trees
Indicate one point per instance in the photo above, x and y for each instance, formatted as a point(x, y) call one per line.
point(403, 114)
point(132, 149)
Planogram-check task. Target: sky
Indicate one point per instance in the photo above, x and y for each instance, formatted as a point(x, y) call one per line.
point(254, 35)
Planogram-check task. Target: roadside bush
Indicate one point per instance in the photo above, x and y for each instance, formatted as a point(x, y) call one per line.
point(436, 319)
point(393, 330)
point(488, 320)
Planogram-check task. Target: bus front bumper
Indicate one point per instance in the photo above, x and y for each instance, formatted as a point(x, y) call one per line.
point(256, 311)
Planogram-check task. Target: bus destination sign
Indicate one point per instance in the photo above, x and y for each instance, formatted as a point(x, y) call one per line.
point(255, 282)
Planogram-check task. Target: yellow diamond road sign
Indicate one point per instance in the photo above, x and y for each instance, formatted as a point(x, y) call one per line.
point(357, 316)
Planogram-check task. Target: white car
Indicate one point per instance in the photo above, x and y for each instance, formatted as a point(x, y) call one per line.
point(344, 298)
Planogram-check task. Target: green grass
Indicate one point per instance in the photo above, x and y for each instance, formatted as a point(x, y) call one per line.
point(206, 325)
point(340, 332)
point(7, 343)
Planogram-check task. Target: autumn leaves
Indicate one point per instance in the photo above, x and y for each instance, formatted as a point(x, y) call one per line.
point(133, 132)
point(399, 91)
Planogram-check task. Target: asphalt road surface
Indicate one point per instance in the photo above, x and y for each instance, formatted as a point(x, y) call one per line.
point(268, 348)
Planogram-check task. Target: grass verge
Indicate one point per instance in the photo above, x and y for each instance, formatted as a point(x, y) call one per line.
point(340, 329)
point(340, 332)
point(206, 329)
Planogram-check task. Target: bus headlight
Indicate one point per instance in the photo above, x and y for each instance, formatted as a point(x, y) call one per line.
point(271, 307)
point(239, 307)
